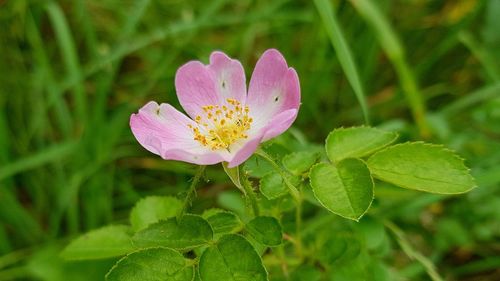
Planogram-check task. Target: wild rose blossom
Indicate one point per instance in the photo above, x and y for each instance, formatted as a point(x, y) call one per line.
point(226, 124)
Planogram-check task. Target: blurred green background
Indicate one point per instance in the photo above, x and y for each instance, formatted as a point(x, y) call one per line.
point(72, 72)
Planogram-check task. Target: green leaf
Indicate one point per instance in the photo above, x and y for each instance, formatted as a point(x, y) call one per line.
point(346, 190)
point(255, 167)
point(106, 242)
point(232, 259)
point(356, 142)
point(45, 264)
point(266, 230)
point(153, 264)
point(423, 167)
point(152, 209)
point(222, 222)
point(340, 248)
point(272, 186)
point(298, 163)
point(189, 232)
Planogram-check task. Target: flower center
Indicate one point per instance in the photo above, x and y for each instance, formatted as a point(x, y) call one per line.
point(222, 125)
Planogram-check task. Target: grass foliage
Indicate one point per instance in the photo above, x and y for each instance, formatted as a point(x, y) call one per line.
point(72, 72)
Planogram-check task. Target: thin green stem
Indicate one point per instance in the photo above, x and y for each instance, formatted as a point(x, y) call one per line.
point(280, 252)
point(191, 191)
point(298, 229)
point(293, 190)
point(296, 194)
point(250, 193)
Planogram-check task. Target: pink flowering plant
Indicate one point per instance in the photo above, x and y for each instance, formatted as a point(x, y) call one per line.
point(224, 122)
point(273, 238)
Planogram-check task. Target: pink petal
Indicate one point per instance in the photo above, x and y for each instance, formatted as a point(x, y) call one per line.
point(209, 158)
point(245, 151)
point(279, 123)
point(164, 131)
point(276, 126)
point(274, 88)
point(196, 87)
point(230, 77)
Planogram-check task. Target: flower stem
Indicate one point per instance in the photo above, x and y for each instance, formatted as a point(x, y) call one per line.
point(296, 194)
point(298, 229)
point(293, 190)
point(250, 193)
point(191, 191)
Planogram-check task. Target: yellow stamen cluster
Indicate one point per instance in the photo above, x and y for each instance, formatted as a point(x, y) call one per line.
point(222, 125)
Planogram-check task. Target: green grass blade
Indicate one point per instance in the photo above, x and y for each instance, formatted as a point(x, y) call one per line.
point(343, 51)
point(481, 54)
point(488, 92)
point(394, 50)
point(14, 214)
point(69, 55)
point(55, 99)
point(430, 268)
point(106, 81)
point(170, 31)
point(47, 155)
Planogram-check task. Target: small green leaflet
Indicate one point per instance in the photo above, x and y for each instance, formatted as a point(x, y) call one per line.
point(272, 186)
point(152, 264)
point(346, 190)
point(222, 221)
point(232, 259)
point(106, 242)
point(356, 142)
point(152, 209)
point(422, 166)
point(189, 232)
point(266, 230)
point(300, 162)
point(340, 247)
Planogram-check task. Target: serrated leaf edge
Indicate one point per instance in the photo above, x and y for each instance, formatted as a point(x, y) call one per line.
point(253, 248)
point(61, 254)
point(289, 155)
point(144, 199)
point(441, 146)
point(280, 227)
point(281, 194)
point(370, 152)
point(179, 249)
point(218, 211)
point(145, 249)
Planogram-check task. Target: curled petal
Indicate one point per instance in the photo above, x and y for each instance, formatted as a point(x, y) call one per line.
point(164, 131)
point(245, 151)
point(279, 123)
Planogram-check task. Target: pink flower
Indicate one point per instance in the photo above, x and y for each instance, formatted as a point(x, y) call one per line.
point(226, 124)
